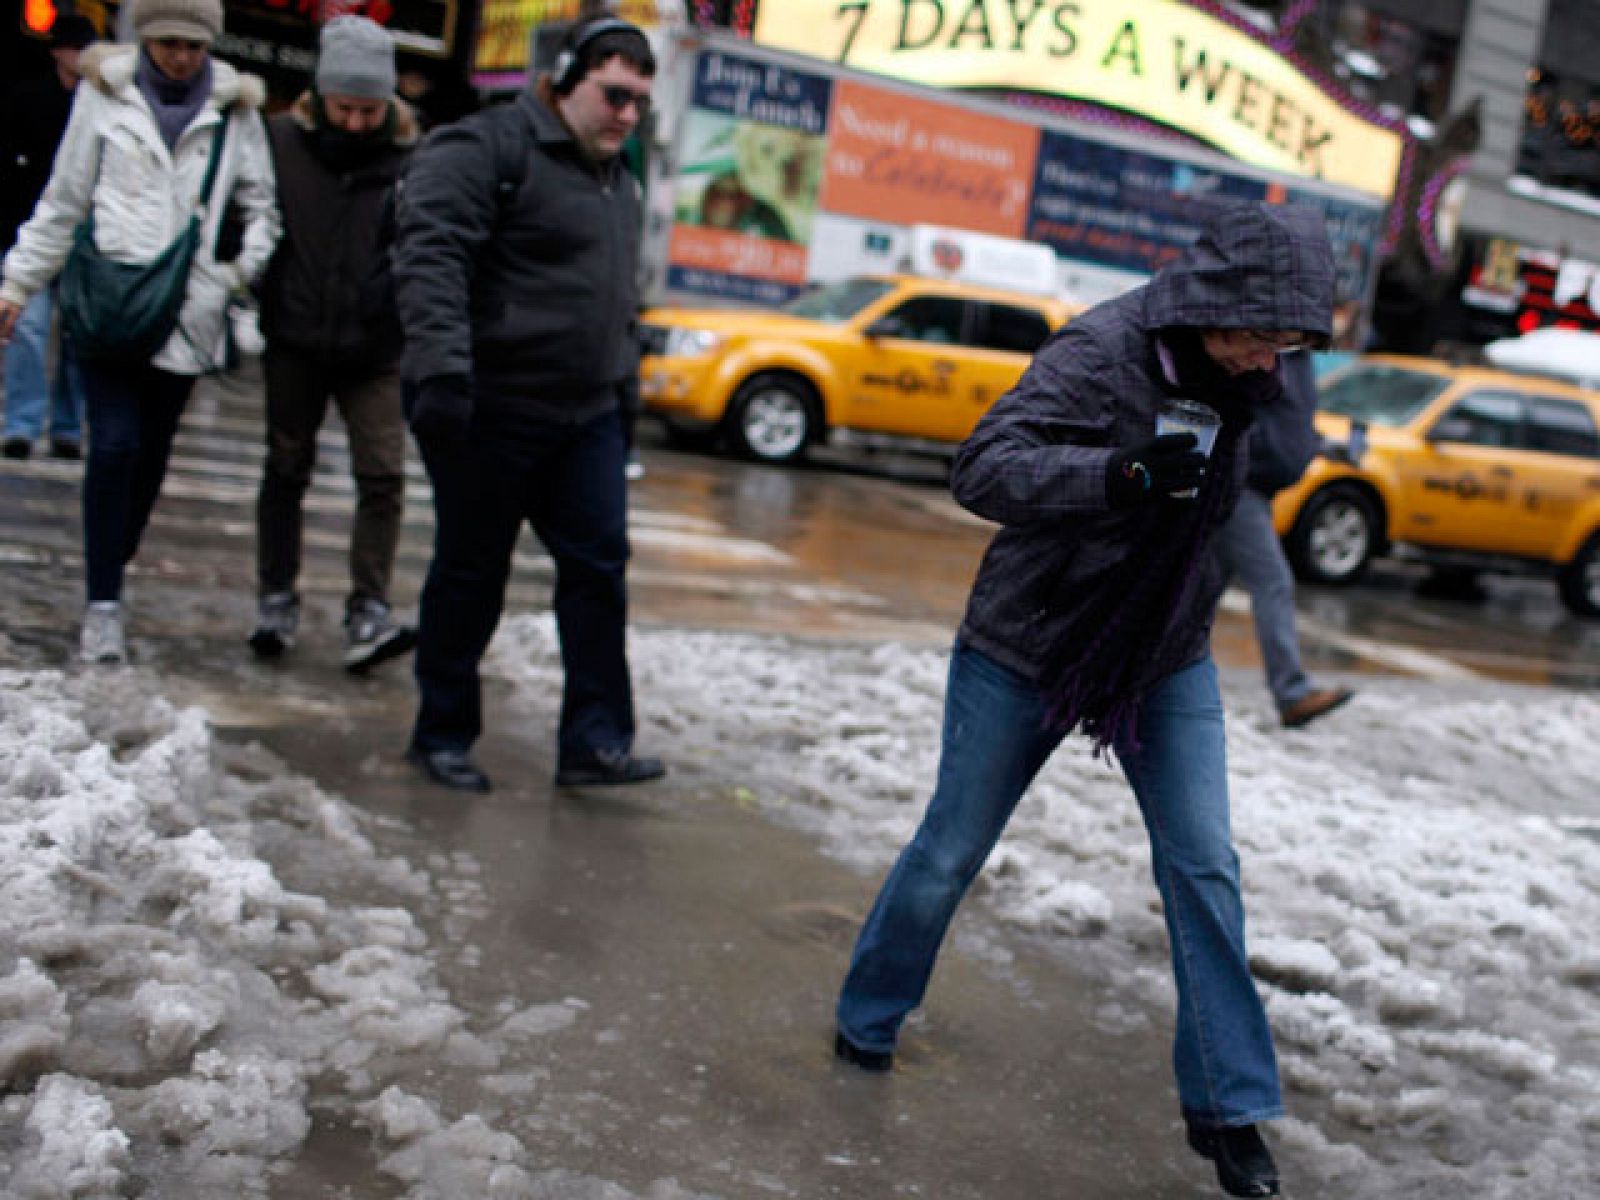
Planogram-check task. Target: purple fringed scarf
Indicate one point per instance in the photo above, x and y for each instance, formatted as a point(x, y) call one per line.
point(1123, 639)
point(1098, 683)
point(175, 103)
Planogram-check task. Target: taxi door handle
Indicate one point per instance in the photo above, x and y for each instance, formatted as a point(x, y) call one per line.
point(1500, 472)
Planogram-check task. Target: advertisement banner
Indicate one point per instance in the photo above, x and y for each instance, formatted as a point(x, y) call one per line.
point(1101, 202)
point(768, 155)
point(922, 161)
point(1118, 207)
point(749, 172)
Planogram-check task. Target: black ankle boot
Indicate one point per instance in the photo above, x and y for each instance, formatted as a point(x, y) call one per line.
point(868, 1060)
point(1244, 1164)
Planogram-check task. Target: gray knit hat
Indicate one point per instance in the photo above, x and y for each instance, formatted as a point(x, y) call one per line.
point(356, 59)
point(196, 20)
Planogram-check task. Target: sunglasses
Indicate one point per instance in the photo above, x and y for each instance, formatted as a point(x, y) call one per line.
point(619, 97)
point(172, 43)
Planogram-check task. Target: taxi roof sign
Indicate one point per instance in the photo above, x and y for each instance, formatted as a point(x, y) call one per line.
point(984, 259)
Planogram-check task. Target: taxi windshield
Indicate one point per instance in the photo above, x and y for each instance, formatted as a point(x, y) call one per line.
point(836, 302)
point(1379, 394)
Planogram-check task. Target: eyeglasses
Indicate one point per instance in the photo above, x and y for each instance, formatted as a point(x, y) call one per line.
point(619, 97)
point(1278, 343)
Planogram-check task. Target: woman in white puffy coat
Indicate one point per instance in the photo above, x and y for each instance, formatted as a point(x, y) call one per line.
point(135, 152)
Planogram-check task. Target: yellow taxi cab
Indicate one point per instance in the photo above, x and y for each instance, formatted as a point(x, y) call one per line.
point(901, 360)
point(1467, 468)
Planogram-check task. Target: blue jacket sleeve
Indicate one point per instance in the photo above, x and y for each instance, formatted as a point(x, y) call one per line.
point(1283, 440)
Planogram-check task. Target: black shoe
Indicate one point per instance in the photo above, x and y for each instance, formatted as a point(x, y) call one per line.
point(17, 447)
point(1244, 1164)
point(610, 767)
point(449, 768)
point(867, 1060)
point(61, 448)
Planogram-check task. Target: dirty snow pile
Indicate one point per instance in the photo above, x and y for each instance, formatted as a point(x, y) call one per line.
point(201, 949)
point(1422, 870)
point(175, 1002)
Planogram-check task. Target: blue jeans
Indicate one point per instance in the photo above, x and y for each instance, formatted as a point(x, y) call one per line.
point(566, 481)
point(27, 378)
point(1250, 551)
point(995, 742)
point(133, 417)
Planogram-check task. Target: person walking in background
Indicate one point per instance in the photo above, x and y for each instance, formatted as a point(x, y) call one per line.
point(515, 268)
point(1092, 611)
point(31, 125)
point(144, 129)
point(1283, 441)
point(336, 154)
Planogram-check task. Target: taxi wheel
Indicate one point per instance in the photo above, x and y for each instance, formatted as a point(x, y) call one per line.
point(1335, 536)
point(1580, 580)
point(773, 418)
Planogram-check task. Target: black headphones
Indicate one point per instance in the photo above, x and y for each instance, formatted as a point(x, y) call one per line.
point(566, 72)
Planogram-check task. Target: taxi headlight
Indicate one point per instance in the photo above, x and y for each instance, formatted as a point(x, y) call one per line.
point(690, 343)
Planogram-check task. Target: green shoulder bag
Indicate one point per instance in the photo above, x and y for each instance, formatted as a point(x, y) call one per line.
point(125, 312)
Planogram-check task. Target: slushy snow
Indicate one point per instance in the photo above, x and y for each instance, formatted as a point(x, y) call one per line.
point(1422, 877)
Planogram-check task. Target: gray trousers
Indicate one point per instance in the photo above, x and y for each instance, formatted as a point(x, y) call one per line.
point(1252, 555)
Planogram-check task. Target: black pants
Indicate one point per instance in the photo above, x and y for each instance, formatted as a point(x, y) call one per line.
point(299, 387)
point(566, 482)
point(133, 414)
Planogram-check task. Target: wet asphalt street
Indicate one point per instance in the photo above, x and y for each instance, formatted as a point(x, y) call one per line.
point(711, 938)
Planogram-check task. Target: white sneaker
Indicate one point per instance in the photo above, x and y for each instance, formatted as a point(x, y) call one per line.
point(102, 641)
point(634, 469)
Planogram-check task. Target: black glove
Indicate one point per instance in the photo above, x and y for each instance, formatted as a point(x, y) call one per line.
point(442, 408)
point(1163, 466)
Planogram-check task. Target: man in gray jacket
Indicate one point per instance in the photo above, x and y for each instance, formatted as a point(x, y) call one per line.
point(515, 268)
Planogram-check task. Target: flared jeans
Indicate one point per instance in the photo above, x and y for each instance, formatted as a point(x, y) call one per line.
point(995, 741)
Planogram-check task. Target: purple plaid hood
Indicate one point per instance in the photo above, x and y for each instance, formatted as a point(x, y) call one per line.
point(1266, 266)
point(1036, 463)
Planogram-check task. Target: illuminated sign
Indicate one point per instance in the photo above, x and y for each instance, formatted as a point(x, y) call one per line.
point(1160, 59)
point(505, 28)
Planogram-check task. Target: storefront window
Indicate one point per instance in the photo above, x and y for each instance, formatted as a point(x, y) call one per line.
point(1561, 134)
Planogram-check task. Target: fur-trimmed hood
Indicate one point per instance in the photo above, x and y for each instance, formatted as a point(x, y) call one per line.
point(110, 66)
point(407, 128)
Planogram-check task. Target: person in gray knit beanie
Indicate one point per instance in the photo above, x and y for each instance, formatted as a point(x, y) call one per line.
point(192, 20)
point(356, 60)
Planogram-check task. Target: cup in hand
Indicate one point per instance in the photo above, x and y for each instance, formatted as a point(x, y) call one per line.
point(1177, 415)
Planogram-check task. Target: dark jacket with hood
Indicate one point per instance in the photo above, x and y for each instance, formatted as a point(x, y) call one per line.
point(332, 191)
point(33, 116)
point(532, 296)
point(1037, 461)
